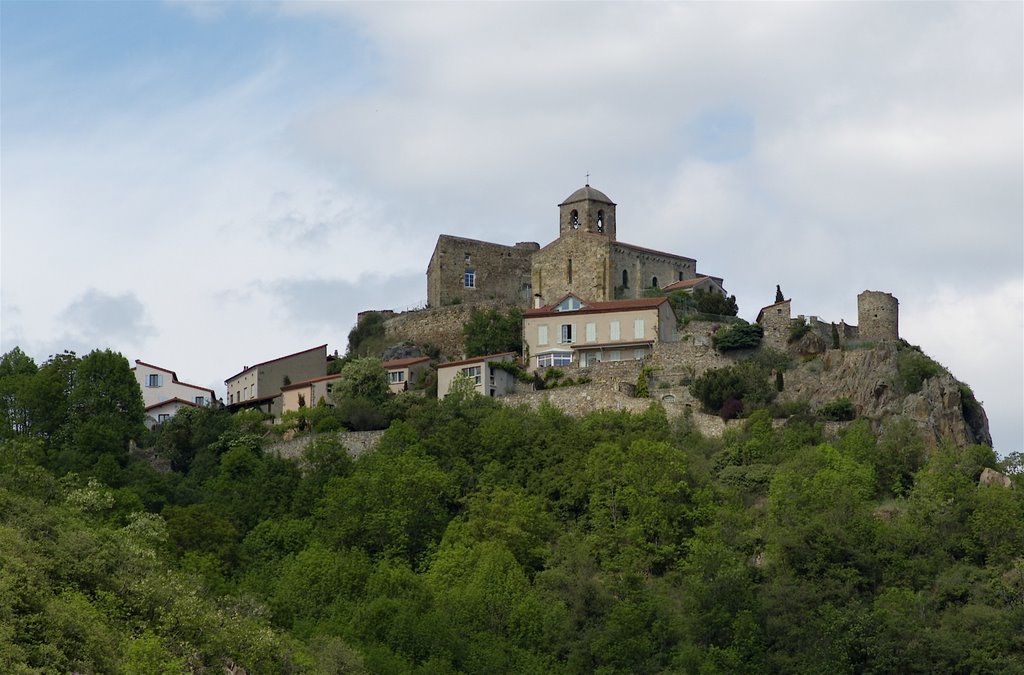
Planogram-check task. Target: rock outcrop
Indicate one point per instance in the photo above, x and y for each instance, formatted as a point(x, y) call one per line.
point(869, 378)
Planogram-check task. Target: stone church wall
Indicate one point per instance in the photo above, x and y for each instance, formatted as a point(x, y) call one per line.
point(588, 254)
point(437, 326)
point(642, 266)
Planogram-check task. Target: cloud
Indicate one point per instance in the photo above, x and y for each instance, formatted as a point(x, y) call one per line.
point(99, 318)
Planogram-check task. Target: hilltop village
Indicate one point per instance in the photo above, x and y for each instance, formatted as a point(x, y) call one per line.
point(605, 324)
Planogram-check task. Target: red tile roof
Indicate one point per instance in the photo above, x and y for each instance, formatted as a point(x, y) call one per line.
point(402, 363)
point(172, 400)
point(598, 307)
point(304, 383)
point(478, 359)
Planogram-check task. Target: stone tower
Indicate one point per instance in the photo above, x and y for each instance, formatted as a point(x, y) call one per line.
point(878, 316)
point(587, 210)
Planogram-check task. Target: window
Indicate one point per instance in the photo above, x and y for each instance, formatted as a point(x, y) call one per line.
point(680, 276)
point(591, 332)
point(638, 328)
point(615, 355)
point(473, 373)
point(554, 359)
point(654, 282)
point(469, 278)
point(154, 380)
point(468, 258)
point(542, 335)
point(638, 354)
point(574, 219)
point(396, 377)
point(570, 304)
point(600, 221)
point(569, 272)
point(613, 331)
point(625, 279)
point(200, 400)
point(162, 417)
point(566, 333)
point(589, 358)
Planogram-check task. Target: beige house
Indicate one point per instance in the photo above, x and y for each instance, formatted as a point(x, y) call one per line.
point(573, 331)
point(308, 393)
point(163, 394)
point(403, 373)
point(489, 380)
point(260, 386)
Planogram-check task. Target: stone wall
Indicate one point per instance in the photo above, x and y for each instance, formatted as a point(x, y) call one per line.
point(502, 273)
point(878, 316)
point(643, 265)
point(437, 326)
point(356, 442)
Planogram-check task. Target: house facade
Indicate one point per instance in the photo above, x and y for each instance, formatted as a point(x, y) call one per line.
point(575, 331)
point(260, 386)
point(488, 379)
point(308, 393)
point(163, 394)
point(404, 373)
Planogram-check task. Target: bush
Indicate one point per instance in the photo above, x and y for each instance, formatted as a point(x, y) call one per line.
point(914, 368)
point(737, 336)
point(839, 410)
point(746, 382)
point(800, 408)
point(730, 409)
point(797, 329)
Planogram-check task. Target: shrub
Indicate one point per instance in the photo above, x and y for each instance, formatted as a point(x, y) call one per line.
point(839, 410)
point(745, 382)
point(800, 408)
point(737, 336)
point(914, 368)
point(797, 329)
point(730, 409)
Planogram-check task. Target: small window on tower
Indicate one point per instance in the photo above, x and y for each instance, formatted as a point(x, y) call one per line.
point(574, 219)
point(654, 282)
point(468, 259)
point(625, 278)
point(600, 221)
point(680, 276)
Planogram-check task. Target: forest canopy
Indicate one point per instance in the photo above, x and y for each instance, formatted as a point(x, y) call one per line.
point(483, 538)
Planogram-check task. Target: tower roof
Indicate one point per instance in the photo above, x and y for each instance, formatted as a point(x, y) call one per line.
point(587, 193)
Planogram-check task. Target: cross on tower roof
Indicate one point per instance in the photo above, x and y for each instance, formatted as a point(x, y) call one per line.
point(588, 178)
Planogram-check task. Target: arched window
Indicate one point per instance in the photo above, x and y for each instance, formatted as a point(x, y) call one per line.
point(625, 278)
point(680, 276)
point(574, 219)
point(600, 221)
point(654, 282)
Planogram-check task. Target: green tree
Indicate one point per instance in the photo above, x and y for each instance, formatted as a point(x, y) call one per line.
point(362, 378)
point(367, 337)
point(488, 331)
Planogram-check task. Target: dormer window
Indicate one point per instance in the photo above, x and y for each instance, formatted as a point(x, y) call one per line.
point(570, 304)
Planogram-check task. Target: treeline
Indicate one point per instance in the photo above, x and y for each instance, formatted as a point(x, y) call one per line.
point(481, 538)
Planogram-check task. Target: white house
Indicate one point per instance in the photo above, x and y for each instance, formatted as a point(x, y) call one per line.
point(163, 394)
point(488, 379)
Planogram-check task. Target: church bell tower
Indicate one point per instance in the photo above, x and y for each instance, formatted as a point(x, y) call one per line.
point(587, 210)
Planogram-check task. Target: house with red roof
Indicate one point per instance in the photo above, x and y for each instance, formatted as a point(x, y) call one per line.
point(260, 386)
point(573, 330)
point(163, 394)
point(404, 373)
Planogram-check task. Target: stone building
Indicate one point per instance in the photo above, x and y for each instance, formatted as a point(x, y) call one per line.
point(878, 316)
point(586, 260)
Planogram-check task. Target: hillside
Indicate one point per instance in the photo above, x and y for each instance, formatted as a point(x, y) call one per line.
point(480, 537)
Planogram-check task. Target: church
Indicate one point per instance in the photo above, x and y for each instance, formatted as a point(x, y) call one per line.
point(586, 260)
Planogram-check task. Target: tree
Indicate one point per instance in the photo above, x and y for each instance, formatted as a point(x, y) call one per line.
point(367, 337)
point(362, 378)
point(490, 332)
point(778, 294)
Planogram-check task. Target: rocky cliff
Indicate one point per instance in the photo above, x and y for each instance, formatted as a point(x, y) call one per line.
point(943, 408)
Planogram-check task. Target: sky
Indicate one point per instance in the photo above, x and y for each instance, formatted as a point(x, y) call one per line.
point(204, 186)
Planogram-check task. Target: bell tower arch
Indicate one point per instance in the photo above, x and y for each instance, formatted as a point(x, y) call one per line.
point(587, 210)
